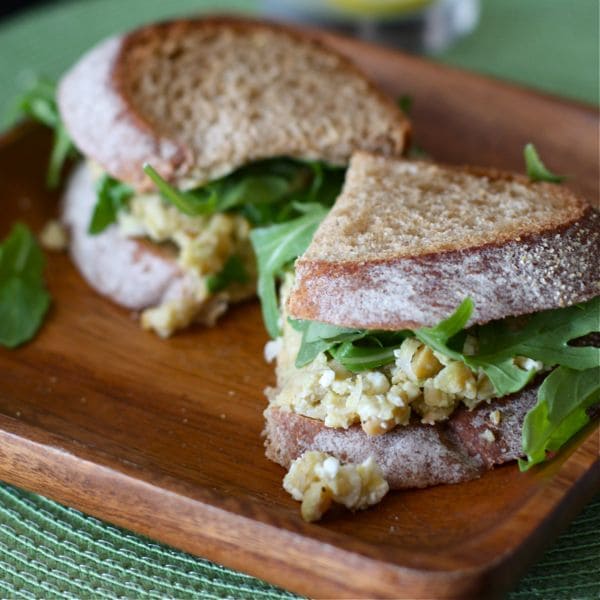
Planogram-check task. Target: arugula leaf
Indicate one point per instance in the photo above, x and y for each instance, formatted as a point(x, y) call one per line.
point(200, 202)
point(265, 192)
point(559, 413)
point(23, 298)
point(275, 247)
point(233, 271)
point(438, 337)
point(38, 102)
point(360, 358)
point(536, 170)
point(320, 337)
point(544, 337)
point(113, 196)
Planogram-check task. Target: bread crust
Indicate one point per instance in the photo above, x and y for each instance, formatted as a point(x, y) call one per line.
point(414, 455)
point(102, 117)
point(528, 270)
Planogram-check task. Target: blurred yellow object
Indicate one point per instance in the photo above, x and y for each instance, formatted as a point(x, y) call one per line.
point(378, 8)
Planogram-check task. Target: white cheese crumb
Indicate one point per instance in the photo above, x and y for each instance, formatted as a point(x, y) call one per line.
point(317, 479)
point(327, 378)
point(331, 466)
point(272, 349)
point(54, 236)
point(488, 436)
point(495, 417)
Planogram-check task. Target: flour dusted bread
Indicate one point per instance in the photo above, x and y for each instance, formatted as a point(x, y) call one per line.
point(199, 98)
point(407, 241)
point(413, 455)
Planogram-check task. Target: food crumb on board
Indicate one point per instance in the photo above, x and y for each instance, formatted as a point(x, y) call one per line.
point(54, 236)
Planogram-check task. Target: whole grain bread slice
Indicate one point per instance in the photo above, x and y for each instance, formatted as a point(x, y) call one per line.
point(198, 98)
point(407, 241)
point(415, 455)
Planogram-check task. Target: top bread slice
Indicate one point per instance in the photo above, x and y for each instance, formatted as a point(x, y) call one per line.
point(199, 98)
point(407, 241)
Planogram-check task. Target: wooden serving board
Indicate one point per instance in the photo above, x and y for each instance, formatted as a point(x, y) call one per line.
point(164, 437)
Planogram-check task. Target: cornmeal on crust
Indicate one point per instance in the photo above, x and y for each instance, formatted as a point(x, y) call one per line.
point(407, 241)
point(199, 98)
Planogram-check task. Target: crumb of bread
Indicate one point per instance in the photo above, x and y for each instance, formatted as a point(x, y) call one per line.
point(54, 236)
point(317, 480)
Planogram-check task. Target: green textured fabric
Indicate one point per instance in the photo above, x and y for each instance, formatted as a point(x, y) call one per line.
point(49, 551)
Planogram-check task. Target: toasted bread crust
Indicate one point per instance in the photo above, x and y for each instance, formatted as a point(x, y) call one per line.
point(101, 104)
point(414, 455)
point(528, 269)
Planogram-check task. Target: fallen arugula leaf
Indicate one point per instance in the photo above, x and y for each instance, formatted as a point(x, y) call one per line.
point(536, 170)
point(112, 196)
point(38, 102)
point(233, 271)
point(559, 413)
point(23, 297)
point(405, 103)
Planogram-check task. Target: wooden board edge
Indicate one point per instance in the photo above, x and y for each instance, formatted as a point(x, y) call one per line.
point(46, 464)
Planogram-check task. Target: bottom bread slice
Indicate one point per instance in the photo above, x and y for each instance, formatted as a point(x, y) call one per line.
point(416, 455)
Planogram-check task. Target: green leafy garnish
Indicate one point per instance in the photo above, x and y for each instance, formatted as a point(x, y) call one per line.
point(23, 296)
point(545, 337)
point(265, 192)
point(276, 247)
point(536, 170)
point(112, 196)
point(233, 271)
point(38, 102)
point(559, 413)
point(356, 349)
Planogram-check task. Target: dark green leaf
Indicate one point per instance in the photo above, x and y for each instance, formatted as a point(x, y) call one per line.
point(359, 358)
point(275, 247)
point(38, 102)
point(536, 170)
point(199, 202)
point(559, 413)
point(113, 196)
point(23, 297)
point(545, 337)
point(438, 337)
point(233, 271)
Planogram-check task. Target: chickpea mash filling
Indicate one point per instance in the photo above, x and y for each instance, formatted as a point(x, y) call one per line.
point(203, 245)
point(419, 382)
point(317, 480)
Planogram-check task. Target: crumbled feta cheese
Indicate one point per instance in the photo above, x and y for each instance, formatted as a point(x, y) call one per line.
point(54, 236)
point(272, 349)
point(327, 378)
point(317, 479)
point(488, 436)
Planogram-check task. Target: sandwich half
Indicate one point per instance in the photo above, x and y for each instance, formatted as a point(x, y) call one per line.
point(440, 323)
point(194, 133)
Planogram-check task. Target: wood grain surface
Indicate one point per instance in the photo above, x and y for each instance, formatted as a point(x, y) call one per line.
point(164, 437)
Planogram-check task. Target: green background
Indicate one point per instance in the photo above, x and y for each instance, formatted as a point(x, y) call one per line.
point(49, 551)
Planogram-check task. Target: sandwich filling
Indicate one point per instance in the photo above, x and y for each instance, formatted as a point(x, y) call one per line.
point(382, 380)
point(215, 231)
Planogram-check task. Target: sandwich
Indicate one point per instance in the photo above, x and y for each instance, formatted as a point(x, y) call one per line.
point(441, 322)
point(195, 133)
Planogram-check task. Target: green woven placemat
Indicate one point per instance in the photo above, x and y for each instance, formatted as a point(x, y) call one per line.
point(49, 551)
